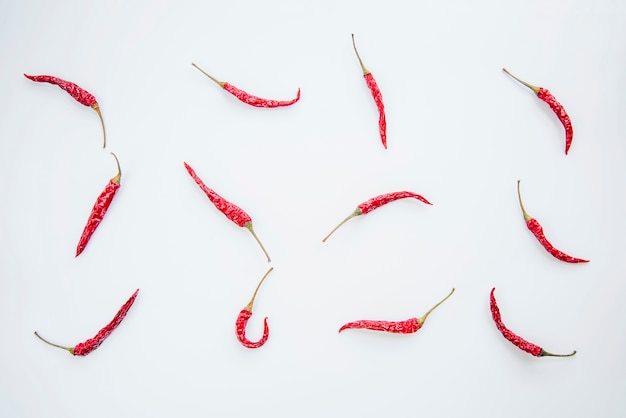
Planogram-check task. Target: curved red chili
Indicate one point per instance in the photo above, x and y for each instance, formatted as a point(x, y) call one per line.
point(79, 94)
point(557, 108)
point(397, 327)
point(377, 95)
point(100, 208)
point(375, 203)
point(242, 321)
point(518, 341)
point(86, 347)
point(535, 227)
point(247, 97)
point(232, 211)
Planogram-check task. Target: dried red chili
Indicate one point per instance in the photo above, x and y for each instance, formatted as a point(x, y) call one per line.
point(518, 341)
point(535, 227)
point(79, 94)
point(232, 211)
point(375, 203)
point(100, 208)
point(244, 316)
point(376, 94)
point(86, 347)
point(557, 108)
point(397, 327)
point(247, 97)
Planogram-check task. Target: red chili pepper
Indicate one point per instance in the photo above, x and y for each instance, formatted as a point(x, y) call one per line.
point(375, 203)
point(377, 95)
point(537, 230)
point(557, 108)
point(518, 341)
point(397, 327)
point(247, 97)
point(242, 320)
point(79, 94)
point(100, 208)
point(232, 211)
point(84, 348)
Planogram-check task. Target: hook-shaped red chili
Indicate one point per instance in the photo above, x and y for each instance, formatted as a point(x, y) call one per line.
point(86, 347)
point(535, 227)
point(397, 327)
point(377, 95)
point(232, 211)
point(242, 321)
point(100, 208)
point(375, 203)
point(557, 108)
point(247, 97)
point(518, 341)
point(79, 94)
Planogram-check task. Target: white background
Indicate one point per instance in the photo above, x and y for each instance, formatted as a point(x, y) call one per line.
point(460, 132)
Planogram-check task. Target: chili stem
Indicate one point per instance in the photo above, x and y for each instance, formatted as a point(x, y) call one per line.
point(519, 196)
point(249, 226)
point(356, 212)
point(118, 176)
point(365, 70)
point(423, 318)
point(530, 86)
point(248, 307)
point(545, 353)
point(97, 109)
point(221, 83)
point(71, 350)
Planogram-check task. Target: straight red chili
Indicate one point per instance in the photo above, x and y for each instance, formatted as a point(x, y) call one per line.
point(377, 95)
point(86, 347)
point(375, 203)
point(518, 341)
point(79, 94)
point(244, 316)
point(247, 97)
point(100, 208)
point(397, 327)
point(535, 227)
point(232, 211)
point(557, 108)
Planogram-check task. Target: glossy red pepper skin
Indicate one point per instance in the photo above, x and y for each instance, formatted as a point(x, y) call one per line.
point(376, 95)
point(79, 94)
point(249, 98)
point(99, 209)
point(558, 109)
point(515, 339)
point(86, 347)
point(230, 210)
point(376, 202)
point(537, 230)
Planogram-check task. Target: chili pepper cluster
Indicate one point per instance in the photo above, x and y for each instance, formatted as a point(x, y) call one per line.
point(242, 219)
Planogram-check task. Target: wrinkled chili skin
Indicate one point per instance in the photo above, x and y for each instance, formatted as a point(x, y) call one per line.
point(78, 93)
point(560, 112)
point(535, 227)
point(86, 347)
point(240, 330)
point(232, 211)
point(378, 99)
point(518, 341)
point(258, 101)
point(383, 199)
point(97, 214)
point(397, 327)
